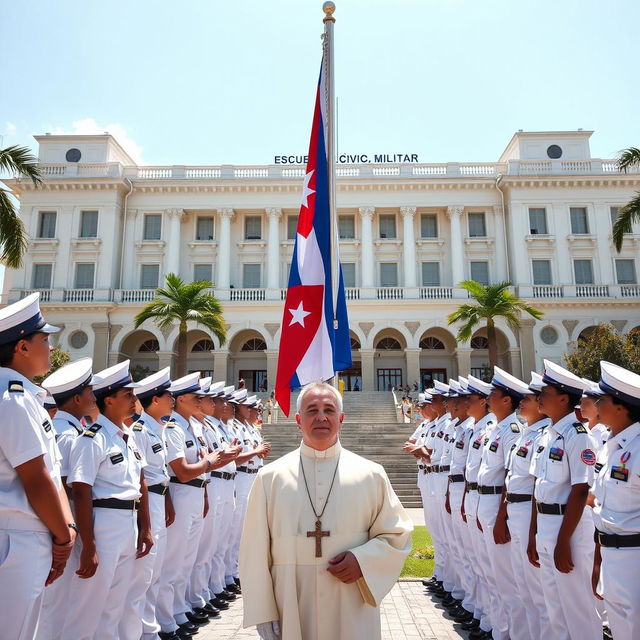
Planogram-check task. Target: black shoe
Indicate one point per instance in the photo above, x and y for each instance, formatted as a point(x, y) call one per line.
point(430, 582)
point(219, 604)
point(198, 619)
point(237, 581)
point(474, 623)
point(210, 610)
point(461, 615)
point(435, 585)
point(479, 634)
point(232, 588)
point(226, 595)
point(449, 600)
point(441, 593)
point(168, 635)
point(186, 630)
point(606, 634)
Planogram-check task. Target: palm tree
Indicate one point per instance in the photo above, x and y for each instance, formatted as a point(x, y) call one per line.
point(493, 301)
point(19, 162)
point(180, 302)
point(630, 213)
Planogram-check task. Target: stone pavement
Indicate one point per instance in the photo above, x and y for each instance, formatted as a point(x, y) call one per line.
point(406, 614)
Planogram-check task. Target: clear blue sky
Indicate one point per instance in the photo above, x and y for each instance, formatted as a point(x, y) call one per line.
point(207, 82)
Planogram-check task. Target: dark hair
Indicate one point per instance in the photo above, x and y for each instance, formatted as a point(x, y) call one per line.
point(633, 412)
point(7, 351)
point(146, 402)
point(100, 403)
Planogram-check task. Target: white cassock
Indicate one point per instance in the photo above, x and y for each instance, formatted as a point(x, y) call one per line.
point(281, 577)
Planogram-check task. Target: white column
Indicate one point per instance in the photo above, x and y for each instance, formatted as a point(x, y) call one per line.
point(501, 251)
point(457, 253)
point(129, 272)
point(366, 213)
point(409, 242)
point(172, 255)
point(224, 249)
point(273, 248)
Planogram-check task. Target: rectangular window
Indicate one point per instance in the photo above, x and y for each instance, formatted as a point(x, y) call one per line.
point(42, 276)
point(541, 271)
point(430, 274)
point(152, 226)
point(614, 211)
point(388, 274)
point(347, 227)
point(579, 223)
point(253, 228)
point(84, 275)
point(251, 276)
point(477, 225)
point(204, 228)
point(149, 276)
point(626, 272)
point(387, 224)
point(202, 272)
point(88, 224)
point(480, 272)
point(428, 225)
point(583, 270)
point(292, 227)
point(349, 274)
point(47, 224)
point(538, 221)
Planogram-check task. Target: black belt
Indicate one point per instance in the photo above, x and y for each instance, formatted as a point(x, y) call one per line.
point(115, 503)
point(247, 470)
point(551, 509)
point(422, 466)
point(457, 477)
point(191, 483)
point(471, 486)
point(488, 491)
point(615, 540)
point(223, 474)
point(443, 468)
point(519, 497)
point(160, 489)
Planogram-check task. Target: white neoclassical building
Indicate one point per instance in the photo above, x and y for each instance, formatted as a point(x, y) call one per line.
point(104, 231)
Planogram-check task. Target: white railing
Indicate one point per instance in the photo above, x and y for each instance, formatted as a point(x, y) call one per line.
point(436, 293)
point(78, 295)
point(135, 295)
point(390, 293)
point(630, 290)
point(430, 170)
point(154, 173)
point(576, 166)
point(246, 295)
point(352, 293)
point(592, 291)
point(477, 169)
point(251, 172)
point(547, 291)
point(533, 168)
point(53, 169)
point(199, 173)
point(99, 170)
point(45, 294)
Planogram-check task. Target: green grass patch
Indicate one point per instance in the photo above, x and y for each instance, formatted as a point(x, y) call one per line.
point(420, 562)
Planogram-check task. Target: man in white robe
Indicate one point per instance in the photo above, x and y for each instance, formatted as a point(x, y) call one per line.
point(297, 586)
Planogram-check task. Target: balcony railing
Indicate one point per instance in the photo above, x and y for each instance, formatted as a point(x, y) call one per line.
point(390, 293)
point(436, 293)
point(547, 291)
point(247, 295)
point(78, 295)
point(134, 295)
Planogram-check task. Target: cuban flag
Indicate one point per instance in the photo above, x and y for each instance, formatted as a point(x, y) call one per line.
point(311, 349)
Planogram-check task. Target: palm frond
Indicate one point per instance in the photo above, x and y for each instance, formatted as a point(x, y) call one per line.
point(21, 162)
point(629, 158)
point(13, 236)
point(627, 215)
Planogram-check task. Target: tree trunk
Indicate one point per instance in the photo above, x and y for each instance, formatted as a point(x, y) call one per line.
point(493, 344)
point(182, 350)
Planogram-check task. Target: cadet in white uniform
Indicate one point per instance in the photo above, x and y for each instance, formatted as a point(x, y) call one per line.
point(589, 411)
point(35, 534)
point(563, 525)
point(110, 501)
point(70, 387)
point(616, 511)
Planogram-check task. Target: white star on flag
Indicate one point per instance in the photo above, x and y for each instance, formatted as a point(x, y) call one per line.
point(298, 315)
point(306, 191)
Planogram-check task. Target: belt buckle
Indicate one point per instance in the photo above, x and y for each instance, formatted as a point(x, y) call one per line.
point(203, 483)
point(600, 537)
point(136, 504)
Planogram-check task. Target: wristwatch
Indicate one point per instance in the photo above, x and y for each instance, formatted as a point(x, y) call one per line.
point(209, 465)
point(74, 526)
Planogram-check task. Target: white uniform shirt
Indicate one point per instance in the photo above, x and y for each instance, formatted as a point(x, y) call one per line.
point(26, 433)
point(600, 434)
point(438, 440)
point(461, 447)
point(182, 442)
point(67, 428)
point(478, 438)
point(217, 440)
point(495, 454)
point(568, 458)
point(246, 440)
point(617, 484)
point(421, 435)
point(519, 478)
point(449, 437)
point(149, 436)
point(256, 440)
point(108, 459)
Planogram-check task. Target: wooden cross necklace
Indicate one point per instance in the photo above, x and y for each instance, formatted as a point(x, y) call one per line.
point(318, 533)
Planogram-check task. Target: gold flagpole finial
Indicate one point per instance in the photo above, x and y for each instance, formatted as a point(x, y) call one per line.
point(329, 8)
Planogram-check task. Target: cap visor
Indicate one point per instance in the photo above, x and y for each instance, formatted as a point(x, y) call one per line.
point(48, 328)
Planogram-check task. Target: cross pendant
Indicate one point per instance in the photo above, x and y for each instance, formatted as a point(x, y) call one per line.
point(318, 534)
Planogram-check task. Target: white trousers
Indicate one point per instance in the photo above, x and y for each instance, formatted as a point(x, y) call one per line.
point(620, 587)
point(225, 505)
point(244, 482)
point(462, 546)
point(440, 481)
point(25, 561)
point(571, 605)
point(180, 554)
point(95, 605)
point(138, 617)
point(431, 520)
point(527, 583)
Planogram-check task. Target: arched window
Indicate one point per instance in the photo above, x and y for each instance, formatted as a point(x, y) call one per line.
point(388, 344)
point(202, 345)
point(254, 344)
point(431, 343)
point(149, 346)
point(479, 342)
point(585, 333)
point(355, 343)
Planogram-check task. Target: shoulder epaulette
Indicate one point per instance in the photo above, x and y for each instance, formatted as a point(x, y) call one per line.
point(75, 426)
point(515, 427)
point(92, 430)
point(170, 424)
point(16, 386)
point(579, 427)
point(137, 426)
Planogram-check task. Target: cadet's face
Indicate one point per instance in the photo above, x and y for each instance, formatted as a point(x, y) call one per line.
point(610, 413)
point(242, 412)
point(529, 408)
point(38, 350)
point(548, 400)
point(122, 403)
point(87, 401)
point(319, 419)
point(476, 405)
point(219, 407)
point(188, 404)
point(498, 401)
point(166, 403)
point(206, 405)
point(588, 408)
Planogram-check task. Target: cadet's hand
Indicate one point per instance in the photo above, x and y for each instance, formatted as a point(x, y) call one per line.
point(88, 561)
point(478, 524)
point(212, 457)
point(145, 542)
point(562, 556)
point(169, 511)
point(501, 533)
point(345, 567)
point(462, 512)
point(447, 504)
point(532, 552)
point(595, 578)
point(205, 510)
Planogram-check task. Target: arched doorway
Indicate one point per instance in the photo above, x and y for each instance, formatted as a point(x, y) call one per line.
point(141, 347)
point(480, 354)
point(353, 376)
point(389, 359)
point(248, 360)
point(199, 348)
point(437, 356)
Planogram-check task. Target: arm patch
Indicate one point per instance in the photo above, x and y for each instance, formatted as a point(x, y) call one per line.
point(579, 427)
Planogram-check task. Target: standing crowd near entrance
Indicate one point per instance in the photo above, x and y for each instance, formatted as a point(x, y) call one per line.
point(531, 493)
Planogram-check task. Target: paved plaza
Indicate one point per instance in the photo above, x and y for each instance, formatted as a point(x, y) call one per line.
point(407, 614)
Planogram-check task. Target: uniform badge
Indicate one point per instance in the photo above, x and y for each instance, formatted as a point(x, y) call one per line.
point(540, 448)
point(515, 427)
point(137, 455)
point(588, 457)
point(116, 458)
point(522, 452)
point(201, 441)
point(579, 427)
point(15, 386)
point(598, 467)
point(620, 473)
point(477, 442)
point(494, 446)
point(46, 425)
point(156, 447)
point(137, 426)
point(189, 443)
point(555, 453)
point(460, 444)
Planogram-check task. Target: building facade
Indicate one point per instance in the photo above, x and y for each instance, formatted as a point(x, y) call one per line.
point(104, 232)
